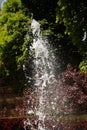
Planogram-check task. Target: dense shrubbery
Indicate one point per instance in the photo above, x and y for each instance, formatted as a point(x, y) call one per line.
point(14, 25)
point(75, 83)
point(69, 93)
point(69, 96)
point(11, 124)
point(73, 15)
point(17, 124)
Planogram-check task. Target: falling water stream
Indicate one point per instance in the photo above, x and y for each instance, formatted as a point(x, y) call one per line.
point(2, 2)
point(44, 68)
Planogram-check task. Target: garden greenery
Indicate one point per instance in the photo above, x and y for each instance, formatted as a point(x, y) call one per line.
point(64, 20)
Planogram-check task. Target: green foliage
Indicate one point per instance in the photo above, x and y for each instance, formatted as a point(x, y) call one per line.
point(46, 28)
point(69, 20)
point(73, 14)
point(14, 24)
point(83, 66)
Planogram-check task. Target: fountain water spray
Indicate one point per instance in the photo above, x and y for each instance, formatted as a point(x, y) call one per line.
point(43, 67)
point(2, 2)
point(45, 82)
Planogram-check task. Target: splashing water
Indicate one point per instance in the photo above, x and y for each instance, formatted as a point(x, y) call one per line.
point(2, 2)
point(44, 77)
point(44, 69)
